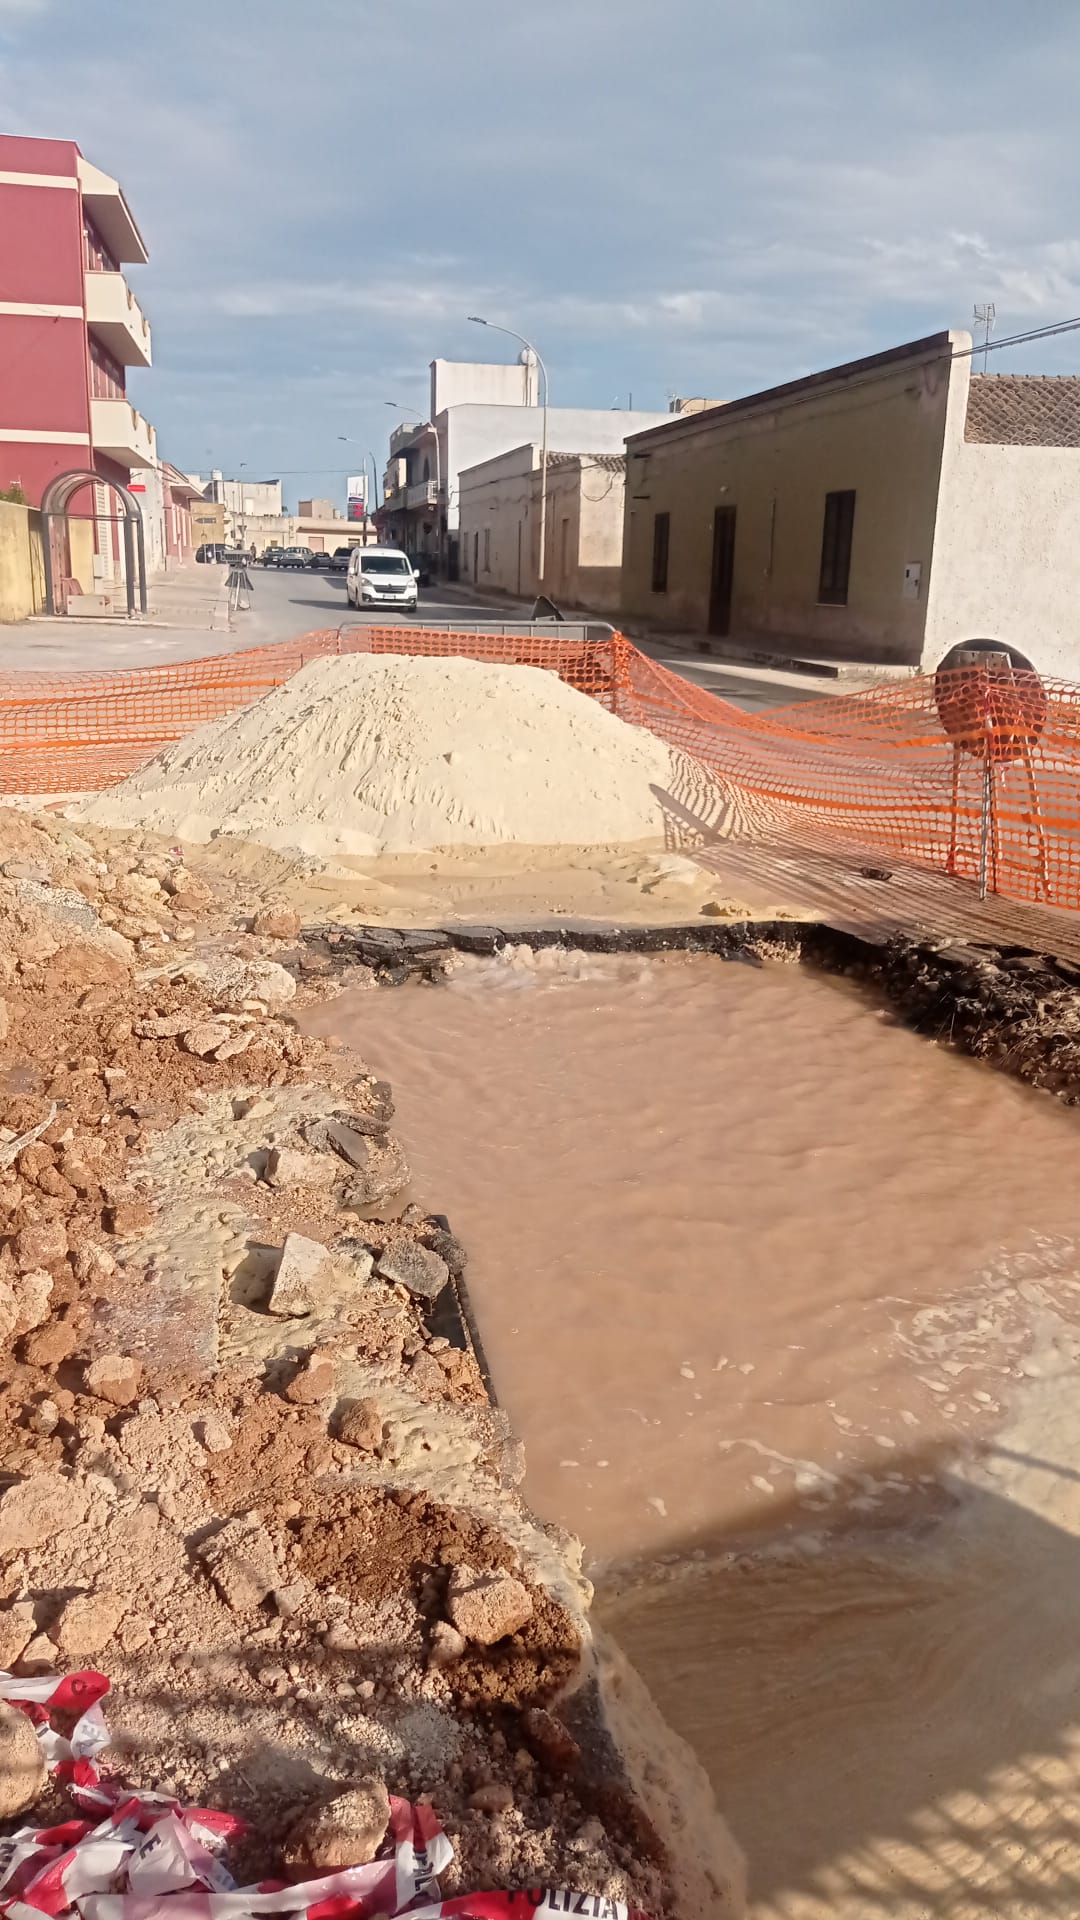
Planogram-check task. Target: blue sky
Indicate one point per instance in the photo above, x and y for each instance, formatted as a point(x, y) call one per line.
point(694, 197)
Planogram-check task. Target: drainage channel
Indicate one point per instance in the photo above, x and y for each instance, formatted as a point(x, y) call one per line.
point(784, 1305)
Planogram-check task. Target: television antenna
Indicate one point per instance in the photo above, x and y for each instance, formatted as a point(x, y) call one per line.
point(984, 318)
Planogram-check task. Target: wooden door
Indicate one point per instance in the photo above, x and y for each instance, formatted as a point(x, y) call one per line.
point(723, 571)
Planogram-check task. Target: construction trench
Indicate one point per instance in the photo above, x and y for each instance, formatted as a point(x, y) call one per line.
point(529, 1399)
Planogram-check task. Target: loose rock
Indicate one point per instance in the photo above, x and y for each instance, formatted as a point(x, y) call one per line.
point(494, 1797)
point(88, 1623)
point(344, 1832)
point(486, 1607)
point(276, 923)
point(314, 1382)
point(242, 1562)
point(115, 1377)
point(551, 1742)
point(22, 1763)
point(289, 1167)
point(305, 1273)
point(362, 1426)
point(415, 1267)
point(34, 1510)
point(446, 1644)
point(16, 1632)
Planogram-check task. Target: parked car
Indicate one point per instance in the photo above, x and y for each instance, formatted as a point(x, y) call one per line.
point(210, 554)
point(339, 559)
point(297, 557)
point(381, 577)
point(272, 556)
point(321, 562)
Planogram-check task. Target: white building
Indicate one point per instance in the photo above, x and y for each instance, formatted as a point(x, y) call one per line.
point(478, 411)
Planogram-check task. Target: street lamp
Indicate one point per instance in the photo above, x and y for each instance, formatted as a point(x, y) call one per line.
point(419, 418)
point(478, 321)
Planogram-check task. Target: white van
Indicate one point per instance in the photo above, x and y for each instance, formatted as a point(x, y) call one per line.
point(381, 577)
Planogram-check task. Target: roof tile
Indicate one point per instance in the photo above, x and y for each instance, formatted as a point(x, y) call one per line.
point(1024, 410)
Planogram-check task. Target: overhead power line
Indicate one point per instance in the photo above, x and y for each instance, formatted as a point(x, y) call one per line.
point(1018, 339)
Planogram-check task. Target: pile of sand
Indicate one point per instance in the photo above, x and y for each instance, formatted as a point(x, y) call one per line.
point(365, 754)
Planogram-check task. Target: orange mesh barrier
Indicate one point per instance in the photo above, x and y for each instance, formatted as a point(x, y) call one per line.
point(964, 768)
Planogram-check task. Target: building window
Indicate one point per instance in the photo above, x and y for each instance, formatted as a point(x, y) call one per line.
point(487, 549)
point(427, 469)
point(836, 549)
point(106, 374)
point(661, 540)
point(97, 257)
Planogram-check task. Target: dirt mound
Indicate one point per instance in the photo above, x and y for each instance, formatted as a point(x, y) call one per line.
point(369, 754)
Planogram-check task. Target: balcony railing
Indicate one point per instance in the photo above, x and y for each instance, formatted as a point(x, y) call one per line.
point(115, 317)
point(120, 431)
point(423, 494)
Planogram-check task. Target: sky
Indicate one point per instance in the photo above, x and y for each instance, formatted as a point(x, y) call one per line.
point(667, 196)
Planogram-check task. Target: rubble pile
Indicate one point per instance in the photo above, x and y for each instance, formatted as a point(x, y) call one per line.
point(251, 1470)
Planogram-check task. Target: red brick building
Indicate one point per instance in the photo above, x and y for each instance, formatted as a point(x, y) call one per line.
point(70, 327)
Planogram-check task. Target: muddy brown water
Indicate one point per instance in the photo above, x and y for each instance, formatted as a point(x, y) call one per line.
point(784, 1303)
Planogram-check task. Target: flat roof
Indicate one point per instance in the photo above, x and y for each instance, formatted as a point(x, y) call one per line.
point(933, 344)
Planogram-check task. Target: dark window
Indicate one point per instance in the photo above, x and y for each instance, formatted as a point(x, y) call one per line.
point(836, 549)
point(106, 374)
point(661, 540)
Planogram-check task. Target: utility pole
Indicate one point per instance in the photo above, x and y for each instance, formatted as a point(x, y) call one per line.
point(478, 321)
point(984, 318)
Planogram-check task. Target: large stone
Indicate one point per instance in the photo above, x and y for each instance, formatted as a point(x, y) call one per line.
point(32, 1511)
point(276, 923)
point(362, 1426)
point(382, 1174)
point(115, 1377)
point(344, 1832)
point(415, 1267)
point(486, 1607)
point(205, 1039)
point(348, 1138)
point(88, 1623)
point(288, 1167)
point(315, 1380)
point(32, 1293)
point(304, 1276)
point(242, 1562)
point(16, 1632)
point(231, 982)
point(44, 1244)
point(23, 1773)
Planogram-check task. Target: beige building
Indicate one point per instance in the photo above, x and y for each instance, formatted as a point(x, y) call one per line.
point(321, 533)
point(500, 526)
point(880, 511)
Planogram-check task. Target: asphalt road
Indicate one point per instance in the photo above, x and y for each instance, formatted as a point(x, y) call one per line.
point(286, 604)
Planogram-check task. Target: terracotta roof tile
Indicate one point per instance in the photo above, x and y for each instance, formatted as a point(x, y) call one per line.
point(1024, 410)
point(612, 462)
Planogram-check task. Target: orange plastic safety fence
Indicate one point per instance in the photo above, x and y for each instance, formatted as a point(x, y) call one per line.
point(974, 766)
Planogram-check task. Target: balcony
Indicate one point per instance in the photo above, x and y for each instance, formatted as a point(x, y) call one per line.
point(120, 432)
point(105, 203)
point(406, 435)
point(115, 317)
point(424, 494)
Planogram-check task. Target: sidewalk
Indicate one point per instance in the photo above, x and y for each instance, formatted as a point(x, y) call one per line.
point(187, 616)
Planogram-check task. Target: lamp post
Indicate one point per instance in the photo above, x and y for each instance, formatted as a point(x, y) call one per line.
point(419, 418)
point(478, 321)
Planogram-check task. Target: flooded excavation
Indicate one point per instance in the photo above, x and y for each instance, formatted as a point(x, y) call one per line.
point(784, 1303)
